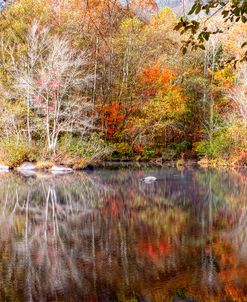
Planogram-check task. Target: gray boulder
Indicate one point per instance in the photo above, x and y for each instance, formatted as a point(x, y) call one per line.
point(27, 167)
point(149, 179)
point(4, 168)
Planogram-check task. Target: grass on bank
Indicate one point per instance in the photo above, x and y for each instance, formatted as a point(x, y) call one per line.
point(78, 152)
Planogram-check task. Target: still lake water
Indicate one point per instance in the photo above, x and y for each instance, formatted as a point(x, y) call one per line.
point(106, 236)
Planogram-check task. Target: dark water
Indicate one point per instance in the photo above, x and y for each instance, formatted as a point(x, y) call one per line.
point(107, 236)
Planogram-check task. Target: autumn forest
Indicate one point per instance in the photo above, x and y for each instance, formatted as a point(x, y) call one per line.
point(84, 81)
point(123, 150)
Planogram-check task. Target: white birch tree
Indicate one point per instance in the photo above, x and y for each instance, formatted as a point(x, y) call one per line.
point(59, 101)
point(19, 61)
point(50, 76)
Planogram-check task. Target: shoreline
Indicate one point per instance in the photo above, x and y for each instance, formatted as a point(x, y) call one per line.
point(123, 164)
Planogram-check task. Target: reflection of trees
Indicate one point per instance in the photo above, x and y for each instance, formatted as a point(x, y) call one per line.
point(73, 232)
point(223, 214)
point(111, 237)
point(40, 219)
point(227, 195)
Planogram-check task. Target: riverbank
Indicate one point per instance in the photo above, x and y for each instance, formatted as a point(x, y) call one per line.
point(61, 167)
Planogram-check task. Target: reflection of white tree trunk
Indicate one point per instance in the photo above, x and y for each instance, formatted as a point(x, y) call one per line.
point(208, 268)
point(47, 231)
point(238, 234)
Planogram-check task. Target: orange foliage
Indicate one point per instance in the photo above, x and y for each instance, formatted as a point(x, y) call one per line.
point(97, 17)
point(156, 74)
point(224, 77)
point(155, 78)
point(138, 148)
point(242, 157)
point(111, 116)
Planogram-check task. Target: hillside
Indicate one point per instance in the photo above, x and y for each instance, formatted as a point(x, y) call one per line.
point(178, 6)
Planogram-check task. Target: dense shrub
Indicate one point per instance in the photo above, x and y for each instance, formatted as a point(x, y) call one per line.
point(221, 146)
point(149, 153)
point(15, 152)
point(89, 147)
point(168, 154)
point(121, 151)
point(180, 147)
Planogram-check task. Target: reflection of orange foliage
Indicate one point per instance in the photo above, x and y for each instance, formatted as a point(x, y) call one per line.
point(113, 206)
point(230, 270)
point(237, 294)
point(224, 250)
point(155, 250)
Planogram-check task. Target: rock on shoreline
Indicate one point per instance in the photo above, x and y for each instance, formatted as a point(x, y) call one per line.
point(4, 168)
point(27, 167)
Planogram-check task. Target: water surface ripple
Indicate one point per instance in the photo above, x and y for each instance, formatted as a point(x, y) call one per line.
point(107, 236)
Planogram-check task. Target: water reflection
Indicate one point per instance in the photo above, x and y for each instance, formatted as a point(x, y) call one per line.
point(108, 236)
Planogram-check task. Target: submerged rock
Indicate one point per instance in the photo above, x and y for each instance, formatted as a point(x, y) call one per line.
point(60, 169)
point(27, 167)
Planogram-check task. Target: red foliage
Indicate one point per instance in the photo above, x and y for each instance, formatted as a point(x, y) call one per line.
point(155, 78)
point(138, 148)
point(111, 116)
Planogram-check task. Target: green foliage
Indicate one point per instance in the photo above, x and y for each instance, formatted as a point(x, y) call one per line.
point(88, 148)
point(180, 147)
point(121, 151)
point(204, 148)
point(15, 151)
point(168, 154)
point(181, 294)
point(221, 146)
point(149, 153)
